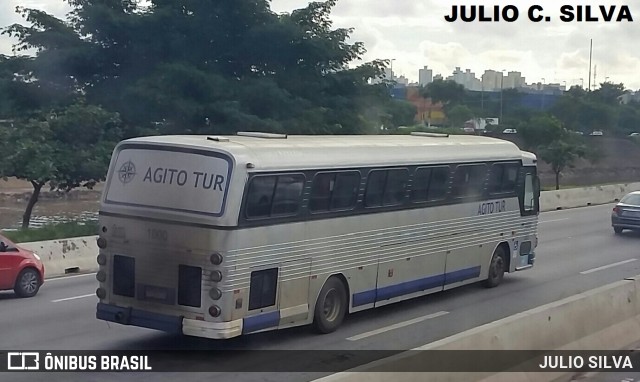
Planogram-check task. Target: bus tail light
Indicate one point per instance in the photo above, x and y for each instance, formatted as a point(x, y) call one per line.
point(216, 276)
point(102, 259)
point(101, 276)
point(216, 259)
point(215, 294)
point(102, 243)
point(101, 293)
point(214, 310)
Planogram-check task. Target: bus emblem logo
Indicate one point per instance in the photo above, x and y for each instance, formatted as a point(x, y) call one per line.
point(127, 172)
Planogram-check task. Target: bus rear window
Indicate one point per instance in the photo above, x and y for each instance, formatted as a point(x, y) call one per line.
point(170, 179)
point(274, 195)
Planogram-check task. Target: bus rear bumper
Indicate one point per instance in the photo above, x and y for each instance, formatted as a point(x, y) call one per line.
point(166, 323)
point(213, 330)
point(136, 317)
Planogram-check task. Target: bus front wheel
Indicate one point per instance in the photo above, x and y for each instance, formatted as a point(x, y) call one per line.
point(496, 268)
point(331, 306)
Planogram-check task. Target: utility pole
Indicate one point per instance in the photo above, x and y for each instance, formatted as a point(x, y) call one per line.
point(590, 53)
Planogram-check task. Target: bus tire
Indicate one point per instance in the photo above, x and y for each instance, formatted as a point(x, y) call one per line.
point(496, 268)
point(331, 306)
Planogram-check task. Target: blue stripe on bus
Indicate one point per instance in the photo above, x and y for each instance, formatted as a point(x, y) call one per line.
point(408, 287)
point(135, 317)
point(413, 286)
point(461, 275)
point(260, 321)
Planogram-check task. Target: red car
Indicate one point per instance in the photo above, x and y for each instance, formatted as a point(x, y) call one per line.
point(20, 269)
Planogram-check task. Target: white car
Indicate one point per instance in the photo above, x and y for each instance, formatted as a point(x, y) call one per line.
point(597, 133)
point(634, 135)
point(509, 131)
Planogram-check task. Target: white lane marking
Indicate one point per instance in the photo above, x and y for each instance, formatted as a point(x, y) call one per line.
point(552, 220)
point(73, 298)
point(607, 266)
point(396, 326)
point(66, 277)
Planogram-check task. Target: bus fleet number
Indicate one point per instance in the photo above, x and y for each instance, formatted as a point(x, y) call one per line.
point(158, 234)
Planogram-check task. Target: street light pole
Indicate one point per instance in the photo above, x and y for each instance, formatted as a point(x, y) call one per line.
point(501, 87)
point(542, 98)
point(392, 60)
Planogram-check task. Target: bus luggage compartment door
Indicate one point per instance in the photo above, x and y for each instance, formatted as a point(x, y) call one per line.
point(294, 291)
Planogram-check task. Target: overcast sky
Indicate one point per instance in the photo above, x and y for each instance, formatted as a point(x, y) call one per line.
point(415, 34)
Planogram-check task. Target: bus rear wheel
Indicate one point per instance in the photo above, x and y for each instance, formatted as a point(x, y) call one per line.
point(331, 306)
point(496, 268)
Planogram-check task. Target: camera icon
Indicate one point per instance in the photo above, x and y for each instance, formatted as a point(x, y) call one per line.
point(23, 361)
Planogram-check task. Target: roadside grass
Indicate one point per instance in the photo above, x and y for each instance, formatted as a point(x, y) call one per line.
point(53, 231)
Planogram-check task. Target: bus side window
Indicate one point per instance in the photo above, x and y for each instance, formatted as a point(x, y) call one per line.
point(529, 196)
point(395, 189)
point(375, 188)
point(504, 178)
point(528, 192)
point(345, 192)
point(334, 191)
point(274, 195)
point(260, 195)
point(430, 184)
point(286, 199)
point(321, 192)
point(386, 187)
point(468, 180)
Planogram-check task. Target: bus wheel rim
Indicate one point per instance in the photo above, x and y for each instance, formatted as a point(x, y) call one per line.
point(331, 305)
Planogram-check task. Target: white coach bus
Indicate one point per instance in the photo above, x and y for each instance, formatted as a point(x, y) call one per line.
point(219, 236)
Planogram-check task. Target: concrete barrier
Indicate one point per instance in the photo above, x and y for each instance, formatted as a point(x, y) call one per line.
point(64, 256)
point(585, 196)
point(606, 318)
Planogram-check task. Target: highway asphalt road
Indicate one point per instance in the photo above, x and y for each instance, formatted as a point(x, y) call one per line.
point(577, 252)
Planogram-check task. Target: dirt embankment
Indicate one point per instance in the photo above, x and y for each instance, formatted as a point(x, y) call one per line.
point(619, 162)
point(18, 190)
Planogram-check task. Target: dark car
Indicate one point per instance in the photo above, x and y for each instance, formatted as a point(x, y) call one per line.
point(626, 214)
point(20, 269)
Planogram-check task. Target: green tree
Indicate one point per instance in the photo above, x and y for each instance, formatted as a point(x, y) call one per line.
point(66, 148)
point(449, 92)
point(207, 67)
point(458, 115)
point(541, 130)
point(561, 154)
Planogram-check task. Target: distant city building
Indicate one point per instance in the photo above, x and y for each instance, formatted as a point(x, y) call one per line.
point(467, 79)
point(425, 76)
point(492, 80)
point(402, 81)
point(514, 80)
